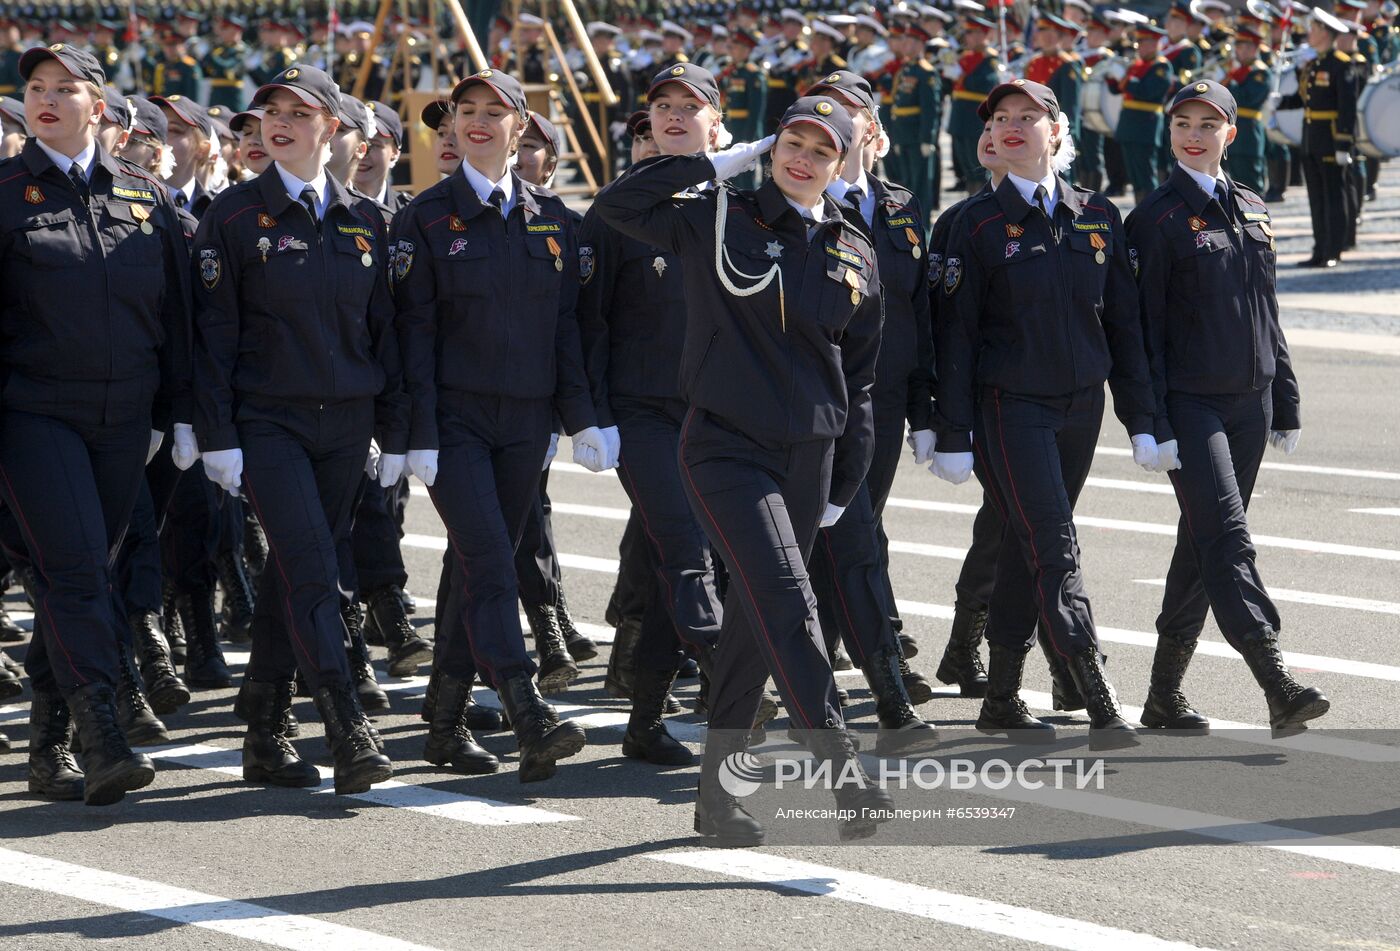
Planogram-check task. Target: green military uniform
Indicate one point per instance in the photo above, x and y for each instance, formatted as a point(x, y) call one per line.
point(981, 74)
point(1067, 83)
point(273, 62)
point(1186, 62)
point(743, 91)
point(1146, 89)
point(1250, 84)
point(914, 114)
point(223, 66)
point(9, 73)
point(173, 77)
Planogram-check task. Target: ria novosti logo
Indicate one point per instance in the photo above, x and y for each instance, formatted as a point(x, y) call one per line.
point(741, 774)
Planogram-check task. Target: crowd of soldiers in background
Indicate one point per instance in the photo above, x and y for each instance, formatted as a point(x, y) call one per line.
point(930, 65)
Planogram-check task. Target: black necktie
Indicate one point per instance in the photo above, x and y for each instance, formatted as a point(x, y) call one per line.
point(308, 198)
point(1222, 195)
point(80, 182)
point(180, 200)
point(498, 201)
point(1042, 199)
point(855, 195)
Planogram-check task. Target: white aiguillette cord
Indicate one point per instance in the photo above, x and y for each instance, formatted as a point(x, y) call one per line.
point(722, 259)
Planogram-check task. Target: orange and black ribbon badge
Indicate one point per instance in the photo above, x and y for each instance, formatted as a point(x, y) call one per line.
point(1099, 244)
point(913, 237)
point(142, 214)
point(1197, 224)
point(33, 195)
point(365, 247)
point(555, 250)
point(455, 224)
point(1014, 231)
point(266, 221)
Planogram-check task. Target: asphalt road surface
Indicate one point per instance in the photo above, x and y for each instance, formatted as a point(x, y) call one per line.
point(603, 855)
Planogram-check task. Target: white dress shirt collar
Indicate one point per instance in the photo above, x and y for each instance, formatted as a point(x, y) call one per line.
point(840, 187)
point(83, 159)
point(483, 187)
point(1027, 189)
point(296, 186)
point(1206, 182)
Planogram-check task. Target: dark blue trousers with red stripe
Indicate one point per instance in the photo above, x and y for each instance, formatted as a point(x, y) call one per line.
point(979, 568)
point(850, 563)
point(302, 467)
point(70, 480)
point(1221, 441)
point(491, 450)
point(375, 538)
point(683, 610)
point(760, 506)
point(537, 571)
point(1033, 454)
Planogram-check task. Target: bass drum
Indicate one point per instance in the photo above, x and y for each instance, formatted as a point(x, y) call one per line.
point(1101, 105)
point(1285, 126)
point(1378, 118)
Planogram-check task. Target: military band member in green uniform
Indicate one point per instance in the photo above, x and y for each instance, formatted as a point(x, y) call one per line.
point(914, 115)
point(743, 90)
point(1249, 82)
point(980, 73)
point(1145, 89)
point(174, 72)
point(225, 62)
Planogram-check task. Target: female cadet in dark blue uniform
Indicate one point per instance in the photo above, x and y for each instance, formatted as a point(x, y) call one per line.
point(632, 314)
point(296, 367)
point(486, 280)
point(782, 334)
point(1203, 248)
point(1039, 310)
point(94, 347)
point(849, 564)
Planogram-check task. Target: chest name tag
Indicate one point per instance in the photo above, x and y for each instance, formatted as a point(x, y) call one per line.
point(134, 194)
point(1091, 226)
point(355, 230)
point(544, 229)
point(903, 221)
point(847, 257)
point(1256, 216)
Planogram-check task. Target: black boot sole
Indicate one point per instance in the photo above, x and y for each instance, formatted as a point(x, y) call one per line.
point(635, 749)
point(372, 700)
point(73, 793)
point(1294, 722)
point(1160, 724)
point(145, 736)
point(558, 678)
point(112, 789)
point(581, 649)
point(10, 689)
point(537, 763)
point(966, 688)
point(362, 779)
point(407, 665)
point(471, 767)
point(270, 777)
point(167, 698)
point(707, 829)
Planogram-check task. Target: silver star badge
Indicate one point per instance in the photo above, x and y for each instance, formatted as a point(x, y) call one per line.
point(774, 250)
point(659, 265)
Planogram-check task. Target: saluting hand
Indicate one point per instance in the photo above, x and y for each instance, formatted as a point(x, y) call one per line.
point(740, 158)
point(185, 451)
point(954, 467)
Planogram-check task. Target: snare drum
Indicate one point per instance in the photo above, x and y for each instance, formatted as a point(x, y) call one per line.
point(1285, 126)
point(1101, 105)
point(1378, 117)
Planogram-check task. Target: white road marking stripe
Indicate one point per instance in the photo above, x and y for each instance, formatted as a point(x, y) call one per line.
point(1129, 485)
point(181, 905)
point(435, 802)
point(1287, 467)
point(1393, 513)
point(1313, 597)
point(977, 914)
point(1355, 668)
point(13, 714)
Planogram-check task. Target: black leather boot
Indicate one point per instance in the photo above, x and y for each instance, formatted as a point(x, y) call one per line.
point(204, 661)
point(916, 685)
point(174, 630)
point(358, 762)
point(908, 645)
point(110, 768)
point(268, 755)
point(478, 717)
point(1291, 704)
point(238, 598)
point(372, 696)
point(542, 737)
point(1064, 692)
point(1166, 708)
point(10, 683)
point(10, 632)
point(407, 651)
point(855, 791)
point(902, 733)
point(717, 812)
point(53, 773)
point(450, 742)
point(962, 661)
point(140, 724)
point(164, 688)
point(557, 667)
point(622, 662)
point(646, 737)
point(1107, 728)
point(580, 646)
point(1003, 711)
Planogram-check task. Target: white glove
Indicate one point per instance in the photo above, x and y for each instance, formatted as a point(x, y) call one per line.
point(391, 466)
point(423, 463)
point(923, 442)
point(832, 515)
point(551, 452)
point(926, 149)
point(1167, 456)
point(614, 440)
point(1344, 158)
point(1285, 439)
point(225, 467)
point(1145, 452)
point(157, 437)
point(740, 158)
point(372, 460)
point(186, 450)
point(954, 467)
point(591, 449)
